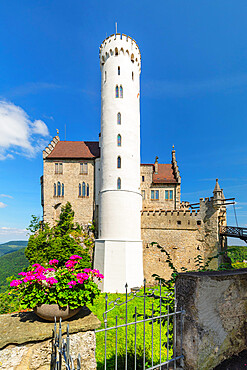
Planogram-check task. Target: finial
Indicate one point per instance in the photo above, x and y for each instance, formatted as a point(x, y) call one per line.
point(173, 147)
point(156, 158)
point(116, 27)
point(57, 131)
point(217, 180)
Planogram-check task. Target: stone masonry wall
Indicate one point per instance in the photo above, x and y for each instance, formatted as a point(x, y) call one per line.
point(215, 321)
point(71, 177)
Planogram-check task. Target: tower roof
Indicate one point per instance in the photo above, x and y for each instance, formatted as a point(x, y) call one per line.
point(217, 187)
point(75, 149)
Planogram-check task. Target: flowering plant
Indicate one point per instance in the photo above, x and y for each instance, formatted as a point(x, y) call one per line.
point(69, 285)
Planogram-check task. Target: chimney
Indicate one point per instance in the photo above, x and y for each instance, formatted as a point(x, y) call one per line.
point(156, 165)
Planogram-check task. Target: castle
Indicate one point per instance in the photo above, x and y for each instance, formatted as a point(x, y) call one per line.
point(132, 204)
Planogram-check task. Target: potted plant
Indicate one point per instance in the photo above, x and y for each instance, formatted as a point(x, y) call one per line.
point(57, 291)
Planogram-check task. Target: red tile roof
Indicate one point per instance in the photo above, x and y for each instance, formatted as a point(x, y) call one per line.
point(75, 149)
point(165, 174)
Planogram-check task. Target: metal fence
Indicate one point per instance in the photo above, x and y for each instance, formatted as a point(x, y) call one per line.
point(61, 350)
point(149, 341)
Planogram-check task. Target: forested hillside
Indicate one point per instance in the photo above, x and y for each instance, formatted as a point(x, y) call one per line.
point(11, 264)
point(12, 246)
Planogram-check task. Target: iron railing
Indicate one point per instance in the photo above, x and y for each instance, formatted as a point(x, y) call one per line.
point(161, 325)
point(61, 350)
point(237, 232)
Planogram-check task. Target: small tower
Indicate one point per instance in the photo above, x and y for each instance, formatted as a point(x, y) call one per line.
point(118, 251)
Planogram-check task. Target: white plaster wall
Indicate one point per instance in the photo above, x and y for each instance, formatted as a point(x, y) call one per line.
point(97, 180)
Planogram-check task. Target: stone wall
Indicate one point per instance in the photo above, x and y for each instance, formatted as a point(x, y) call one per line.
point(71, 177)
point(215, 321)
point(26, 340)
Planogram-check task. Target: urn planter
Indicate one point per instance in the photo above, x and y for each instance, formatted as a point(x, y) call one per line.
point(50, 311)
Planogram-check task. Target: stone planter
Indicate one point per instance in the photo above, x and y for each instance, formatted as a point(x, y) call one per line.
point(50, 311)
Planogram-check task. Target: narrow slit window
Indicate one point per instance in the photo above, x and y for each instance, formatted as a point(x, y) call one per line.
point(119, 183)
point(55, 190)
point(87, 190)
point(119, 140)
point(79, 190)
point(56, 167)
point(132, 76)
point(118, 162)
point(59, 189)
point(62, 190)
point(121, 91)
point(118, 71)
point(117, 92)
point(60, 168)
point(83, 189)
point(119, 118)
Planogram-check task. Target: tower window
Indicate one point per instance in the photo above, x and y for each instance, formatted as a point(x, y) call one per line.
point(119, 140)
point(62, 190)
point(118, 162)
point(121, 91)
point(133, 76)
point(116, 51)
point(119, 118)
point(87, 190)
point(117, 92)
point(143, 178)
point(79, 190)
point(55, 190)
point(58, 189)
point(118, 71)
point(119, 183)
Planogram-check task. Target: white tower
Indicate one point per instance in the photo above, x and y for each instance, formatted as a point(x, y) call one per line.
point(118, 251)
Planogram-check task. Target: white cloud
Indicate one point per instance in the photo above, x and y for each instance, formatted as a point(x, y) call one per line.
point(18, 134)
point(3, 205)
point(6, 196)
point(12, 233)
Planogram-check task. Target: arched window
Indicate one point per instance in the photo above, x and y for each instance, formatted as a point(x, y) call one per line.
point(83, 189)
point(119, 140)
point(58, 189)
point(119, 183)
point(79, 190)
point(62, 190)
point(119, 118)
point(117, 92)
point(118, 162)
point(55, 190)
point(87, 190)
point(121, 91)
point(118, 71)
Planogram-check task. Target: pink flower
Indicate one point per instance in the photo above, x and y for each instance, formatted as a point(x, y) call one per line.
point(51, 280)
point(50, 269)
point(15, 283)
point(71, 283)
point(29, 278)
point(53, 262)
point(87, 270)
point(75, 257)
point(22, 273)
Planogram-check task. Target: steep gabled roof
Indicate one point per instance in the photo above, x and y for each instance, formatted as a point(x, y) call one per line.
point(75, 149)
point(164, 175)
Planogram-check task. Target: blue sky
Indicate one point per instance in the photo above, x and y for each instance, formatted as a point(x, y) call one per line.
point(193, 91)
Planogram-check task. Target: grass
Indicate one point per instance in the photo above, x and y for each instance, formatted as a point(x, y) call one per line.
point(98, 309)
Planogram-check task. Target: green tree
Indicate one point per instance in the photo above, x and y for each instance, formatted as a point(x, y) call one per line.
point(60, 241)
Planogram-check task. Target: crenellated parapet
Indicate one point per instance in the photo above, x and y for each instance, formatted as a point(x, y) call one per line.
point(117, 45)
point(50, 146)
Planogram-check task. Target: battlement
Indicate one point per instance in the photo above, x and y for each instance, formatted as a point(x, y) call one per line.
point(171, 219)
point(117, 45)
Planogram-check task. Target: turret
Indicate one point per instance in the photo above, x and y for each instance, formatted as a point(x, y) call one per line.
point(120, 199)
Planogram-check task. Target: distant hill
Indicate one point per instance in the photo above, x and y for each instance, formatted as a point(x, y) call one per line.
point(12, 264)
point(12, 246)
